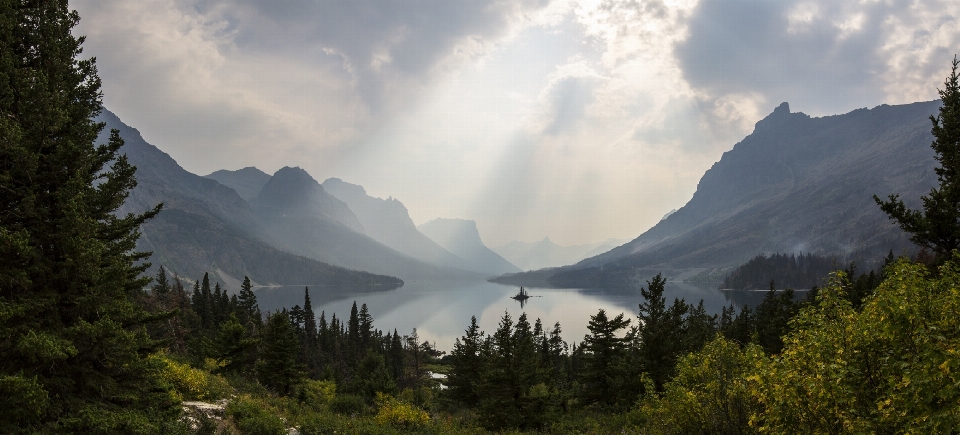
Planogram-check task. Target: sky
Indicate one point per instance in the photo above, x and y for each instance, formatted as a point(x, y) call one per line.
point(576, 120)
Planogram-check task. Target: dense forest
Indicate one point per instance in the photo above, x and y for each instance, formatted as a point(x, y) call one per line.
point(801, 271)
point(92, 345)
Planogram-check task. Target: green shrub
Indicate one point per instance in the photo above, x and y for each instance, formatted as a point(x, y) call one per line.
point(255, 417)
point(315, 394)
point(348, 404)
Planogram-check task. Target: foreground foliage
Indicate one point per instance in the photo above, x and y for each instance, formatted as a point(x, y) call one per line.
point(73, 344)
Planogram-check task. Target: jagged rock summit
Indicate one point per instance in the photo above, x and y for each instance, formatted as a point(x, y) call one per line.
point(461, 237)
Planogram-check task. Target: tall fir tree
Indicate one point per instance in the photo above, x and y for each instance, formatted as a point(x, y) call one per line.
point(279, 367)
point(604, 353)
point(937, 227)
point(466, 366)
point(74, 347)
point(660, 331)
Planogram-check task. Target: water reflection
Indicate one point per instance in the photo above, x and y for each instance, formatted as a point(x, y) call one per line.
point(441, 310)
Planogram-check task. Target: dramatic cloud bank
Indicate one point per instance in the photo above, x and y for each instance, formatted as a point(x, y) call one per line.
point(578, 120)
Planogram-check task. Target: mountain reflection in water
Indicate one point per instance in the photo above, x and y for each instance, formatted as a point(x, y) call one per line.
point(441, 310)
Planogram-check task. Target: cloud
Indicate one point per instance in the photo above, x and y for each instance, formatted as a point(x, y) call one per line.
point(824, 57)
point(385, 47)
point(575, 119)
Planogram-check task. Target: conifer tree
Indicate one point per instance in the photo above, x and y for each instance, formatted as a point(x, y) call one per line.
point(604, 353)
point(74, 347)
point(162, 286)
point(937, 227)
point(249, 312)
point(279, 368)
point(660, 331)
point(466, 365)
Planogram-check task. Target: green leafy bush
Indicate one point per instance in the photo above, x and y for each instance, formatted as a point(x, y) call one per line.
point(255, 417)
point(348, 404)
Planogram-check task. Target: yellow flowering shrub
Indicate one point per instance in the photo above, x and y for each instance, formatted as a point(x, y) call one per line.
point(399, 414)
point(191, 383)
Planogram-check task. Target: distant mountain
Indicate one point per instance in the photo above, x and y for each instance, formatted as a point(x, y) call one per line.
point(207, 227)
point(294, 193)
point(546, 253)
point(461, 238)
point(299, 216)
point(387, 221)
point(796, 184)
point(247, 182)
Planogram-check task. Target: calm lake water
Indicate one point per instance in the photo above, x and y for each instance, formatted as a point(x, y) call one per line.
point(441, 310)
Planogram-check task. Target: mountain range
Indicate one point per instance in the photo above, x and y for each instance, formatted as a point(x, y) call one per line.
point(207, 227)
point(795, 184)
point(280, 229)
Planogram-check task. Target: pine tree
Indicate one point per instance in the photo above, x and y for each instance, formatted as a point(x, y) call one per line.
point(466, 366)
point(162, 286)
point(660, 331)
point(74, 347)
point(278, 367)
point(603, 359)
point(937, 227)
point(249, 312)
point(234, 347)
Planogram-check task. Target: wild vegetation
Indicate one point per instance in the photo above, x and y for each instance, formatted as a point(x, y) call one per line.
point(89, 346)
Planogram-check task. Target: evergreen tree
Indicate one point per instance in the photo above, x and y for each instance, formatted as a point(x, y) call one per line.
point(205, 310)
point(660, 331)
point(234, 346)
point(249, 312)
point(162, 286)
point(73, 344)
point(498, 396)
point(279, 368)
point(937, 227)
point(365, 322)
point(466, 366)
point(604, 353)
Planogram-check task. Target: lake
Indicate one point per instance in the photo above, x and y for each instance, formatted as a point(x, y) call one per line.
point(441, 310)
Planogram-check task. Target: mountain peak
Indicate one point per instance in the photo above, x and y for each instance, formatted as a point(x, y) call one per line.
point(340, 188)
point(780, 116)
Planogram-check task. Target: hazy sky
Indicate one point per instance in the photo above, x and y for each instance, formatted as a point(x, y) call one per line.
point(579, 121)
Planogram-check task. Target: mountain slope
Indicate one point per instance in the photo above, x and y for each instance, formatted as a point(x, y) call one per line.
point(247, 182)
point(461, 238)
point(387, 221)
point(299, 216)
point(795, 184)
point(208, 227)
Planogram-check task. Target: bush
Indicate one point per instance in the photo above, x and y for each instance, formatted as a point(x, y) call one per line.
point(314, 394)
point(710, 393)
point(255, 417)
point(399, 414)
point(348, 404)
point(191, 383)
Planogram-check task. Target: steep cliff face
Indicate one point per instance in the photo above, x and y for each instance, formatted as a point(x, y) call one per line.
point(795, 184)
point(462, 238)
